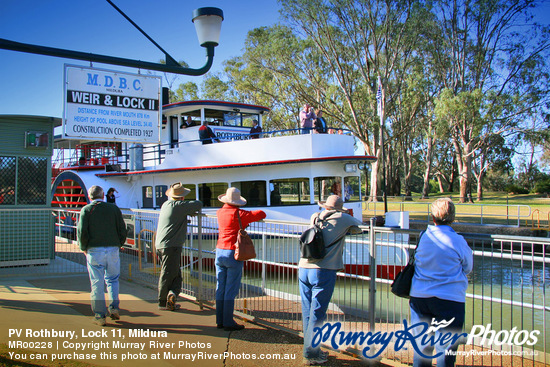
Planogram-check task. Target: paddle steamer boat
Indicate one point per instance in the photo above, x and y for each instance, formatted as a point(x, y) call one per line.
point(284, 173)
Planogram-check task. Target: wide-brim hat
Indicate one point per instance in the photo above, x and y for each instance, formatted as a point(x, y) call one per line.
point(177, 191)
point(232, 197)
point(333, 202)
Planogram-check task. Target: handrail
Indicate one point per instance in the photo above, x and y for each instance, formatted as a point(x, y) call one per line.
point(538, 220)
point(372, 206)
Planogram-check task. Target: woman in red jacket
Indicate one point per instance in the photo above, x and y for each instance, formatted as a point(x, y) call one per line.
point(228, 270)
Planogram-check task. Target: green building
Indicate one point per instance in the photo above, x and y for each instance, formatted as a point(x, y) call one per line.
point(26, 224)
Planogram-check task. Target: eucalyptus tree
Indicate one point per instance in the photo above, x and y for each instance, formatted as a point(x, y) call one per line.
point(213, 87)
point(413, 130)
point(276, 69)
point(491, 61)
point(359, 41)
point(171, 79)
point(187, 91)
point(444, 165)
point(494, 153)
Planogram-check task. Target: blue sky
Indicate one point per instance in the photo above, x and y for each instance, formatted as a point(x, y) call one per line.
point(33, 84)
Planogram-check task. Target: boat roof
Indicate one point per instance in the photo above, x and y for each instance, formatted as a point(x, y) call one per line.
point(191, 107)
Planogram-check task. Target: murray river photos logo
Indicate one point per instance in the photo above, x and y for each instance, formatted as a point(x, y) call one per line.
point(418, 335)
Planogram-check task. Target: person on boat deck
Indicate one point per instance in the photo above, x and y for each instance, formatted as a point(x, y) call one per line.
point(254, 195)
point(306, 118)
point(275, 196)
point(206, 135)
point(101, 232)
point(171, 234)
point(111, 197)
point(319, 124)
point(187, 123)
point(438, 290)
point(255, 130)
point(205, 195)
point(228, 270)
point(317, 278)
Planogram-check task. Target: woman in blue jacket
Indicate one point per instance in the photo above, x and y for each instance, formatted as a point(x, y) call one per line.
point(438, 291)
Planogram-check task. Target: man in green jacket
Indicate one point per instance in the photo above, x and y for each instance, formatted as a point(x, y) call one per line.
point(101, 232)
point(170, 237)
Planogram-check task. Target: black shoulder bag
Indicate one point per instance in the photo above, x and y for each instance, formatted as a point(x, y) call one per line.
point(401, 285)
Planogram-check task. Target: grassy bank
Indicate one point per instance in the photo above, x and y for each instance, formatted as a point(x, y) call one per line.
point(527, 210)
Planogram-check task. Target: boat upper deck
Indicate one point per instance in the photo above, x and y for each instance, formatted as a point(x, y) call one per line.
point(181, 146)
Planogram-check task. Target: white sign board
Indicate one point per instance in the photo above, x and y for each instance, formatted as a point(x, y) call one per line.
point(111, 105)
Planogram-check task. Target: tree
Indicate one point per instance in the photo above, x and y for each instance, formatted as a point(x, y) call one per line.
point(171, 79)
point(273, 72)
point(492, 64)
point(188, 91)
point(358, 41)
point(492, 152)
point(214, 88)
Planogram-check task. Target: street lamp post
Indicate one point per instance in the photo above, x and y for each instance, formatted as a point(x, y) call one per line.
point(207, 22)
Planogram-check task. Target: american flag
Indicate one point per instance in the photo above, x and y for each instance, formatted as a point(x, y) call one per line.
point(379, 97)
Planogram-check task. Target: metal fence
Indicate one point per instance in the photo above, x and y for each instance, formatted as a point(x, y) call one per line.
point(507, 295)
point(480, 213)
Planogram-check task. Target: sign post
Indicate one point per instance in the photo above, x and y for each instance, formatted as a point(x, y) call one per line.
point(111, 106)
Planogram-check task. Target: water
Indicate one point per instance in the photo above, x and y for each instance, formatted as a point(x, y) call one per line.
point(501, 291)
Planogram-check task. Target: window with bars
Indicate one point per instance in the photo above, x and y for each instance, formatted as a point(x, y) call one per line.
point(23, 180)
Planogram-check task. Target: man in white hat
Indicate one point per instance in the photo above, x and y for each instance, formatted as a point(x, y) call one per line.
point(170, 237)
point(317, 278)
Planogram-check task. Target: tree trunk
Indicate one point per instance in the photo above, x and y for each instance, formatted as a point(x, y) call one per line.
point(464, 162)
point(452, 179)
point(373, 196)
point(480, 186)
point(389, 173)
point(407, 174)
point(427, 172)
point(440, 181)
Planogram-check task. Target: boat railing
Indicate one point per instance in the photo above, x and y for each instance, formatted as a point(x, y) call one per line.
point(154, 154)
point(507, 292)
point(102, 155)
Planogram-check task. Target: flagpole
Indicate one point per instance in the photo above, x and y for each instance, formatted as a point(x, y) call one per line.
point(380, 97)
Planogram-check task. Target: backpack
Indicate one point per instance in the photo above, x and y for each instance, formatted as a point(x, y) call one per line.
point(312, 244)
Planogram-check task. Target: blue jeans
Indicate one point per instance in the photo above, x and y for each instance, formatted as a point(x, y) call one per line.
point(103, 267)
point(228, 276)
point(316, 288)
point(426, 309)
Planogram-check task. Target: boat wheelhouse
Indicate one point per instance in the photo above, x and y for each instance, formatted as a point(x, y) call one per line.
point(282, 172)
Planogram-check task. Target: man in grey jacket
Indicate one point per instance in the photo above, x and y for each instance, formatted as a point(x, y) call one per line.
point(170, 237)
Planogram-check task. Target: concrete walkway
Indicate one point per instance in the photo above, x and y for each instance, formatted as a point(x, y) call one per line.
point(45, 317)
